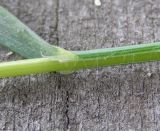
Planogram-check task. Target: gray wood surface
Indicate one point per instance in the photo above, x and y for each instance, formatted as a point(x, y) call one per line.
point(121, 98)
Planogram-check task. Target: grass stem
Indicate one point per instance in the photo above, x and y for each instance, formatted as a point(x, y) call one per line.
point(85, 59)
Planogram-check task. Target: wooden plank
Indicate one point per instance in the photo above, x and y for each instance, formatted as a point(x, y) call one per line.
point(114, 98)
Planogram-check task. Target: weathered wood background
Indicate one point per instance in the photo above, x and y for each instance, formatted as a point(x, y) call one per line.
point(122, 98)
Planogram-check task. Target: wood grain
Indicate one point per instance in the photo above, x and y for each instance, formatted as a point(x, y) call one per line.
point(121, 98)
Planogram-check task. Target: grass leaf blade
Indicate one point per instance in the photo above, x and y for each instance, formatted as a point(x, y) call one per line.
point(20, 39)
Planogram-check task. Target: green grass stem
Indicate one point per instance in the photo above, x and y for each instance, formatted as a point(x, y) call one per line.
point(84, 59)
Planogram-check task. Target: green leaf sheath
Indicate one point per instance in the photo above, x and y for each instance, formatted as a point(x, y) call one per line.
point(119, 55)
point(84, 59)
point(20, 39)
